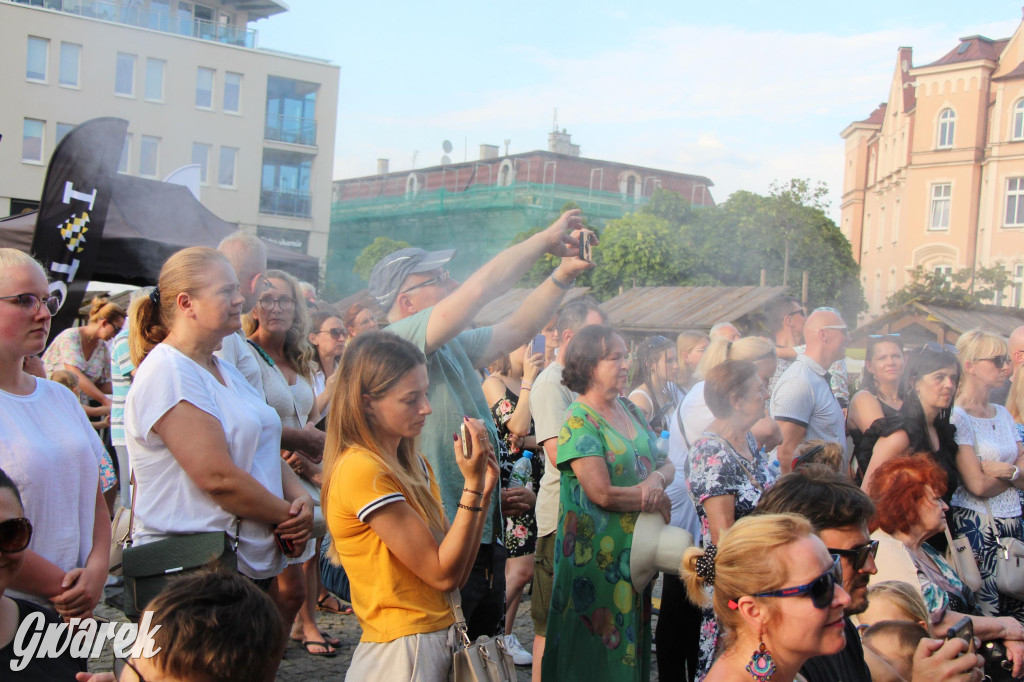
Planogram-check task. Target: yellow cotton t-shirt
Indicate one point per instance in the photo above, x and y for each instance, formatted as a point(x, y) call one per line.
point(389, 600)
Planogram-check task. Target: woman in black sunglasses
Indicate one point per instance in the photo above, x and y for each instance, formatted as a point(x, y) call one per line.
point(777, 593)
point(15, 533)
point(327, 335)
point(986, 505)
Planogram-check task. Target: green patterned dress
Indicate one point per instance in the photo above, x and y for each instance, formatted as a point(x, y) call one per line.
point(599, 628)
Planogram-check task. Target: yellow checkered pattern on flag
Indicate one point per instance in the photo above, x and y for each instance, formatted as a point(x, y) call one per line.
point(73, 231)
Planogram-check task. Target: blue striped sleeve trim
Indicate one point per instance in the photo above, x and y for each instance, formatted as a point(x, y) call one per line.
point(373, 506)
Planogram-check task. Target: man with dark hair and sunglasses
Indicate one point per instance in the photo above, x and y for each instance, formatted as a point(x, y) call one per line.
point(839, 512)
point(428, 308)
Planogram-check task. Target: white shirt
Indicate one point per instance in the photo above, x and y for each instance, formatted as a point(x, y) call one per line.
point(237, 351)
point(993, 440)
point(695, 416)
point(549, 400)
point(168, 502)
point(52, 454)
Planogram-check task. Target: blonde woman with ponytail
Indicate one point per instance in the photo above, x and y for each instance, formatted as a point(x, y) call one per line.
point(383, 510)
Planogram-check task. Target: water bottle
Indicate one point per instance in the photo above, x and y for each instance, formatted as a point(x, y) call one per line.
point(663, 444)
point(522, 471)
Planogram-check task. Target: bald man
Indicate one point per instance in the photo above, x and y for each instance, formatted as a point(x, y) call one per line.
point(1015, 346)
point(802, 401)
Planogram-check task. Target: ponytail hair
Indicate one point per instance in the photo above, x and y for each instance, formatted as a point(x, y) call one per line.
point(103, 308)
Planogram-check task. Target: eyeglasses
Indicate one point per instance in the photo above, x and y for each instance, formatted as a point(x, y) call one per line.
point(15, 535)
point(999, 361)
point(821, 590)
point(336, 334)
point(858, 555)
point(440, 279)
point(30, 303)
point(883, 336)
point(121, 663)
point(286, 303)
point(841, 327)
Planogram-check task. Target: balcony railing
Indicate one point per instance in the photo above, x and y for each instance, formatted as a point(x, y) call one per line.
point(290, 129)
point(295, 204)
point(124, 13)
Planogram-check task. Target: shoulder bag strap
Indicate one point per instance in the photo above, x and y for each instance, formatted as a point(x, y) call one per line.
point(736, 458)
point(131, 515)
point(454, 600)
point(679, 423)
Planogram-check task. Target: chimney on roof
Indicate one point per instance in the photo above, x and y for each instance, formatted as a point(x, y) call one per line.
point(488, 151)
point(561, 143)
point(382, 166)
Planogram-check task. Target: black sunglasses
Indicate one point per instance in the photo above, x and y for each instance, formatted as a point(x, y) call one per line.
point(999, 361)
point(336, 334)
point(858, 555)
point(821, 590)
point(15, 535)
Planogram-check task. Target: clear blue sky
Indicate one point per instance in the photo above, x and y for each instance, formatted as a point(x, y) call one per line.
point(744, 92)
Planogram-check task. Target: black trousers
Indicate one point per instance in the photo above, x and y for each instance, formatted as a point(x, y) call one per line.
point(678, 634)
point(483, 597)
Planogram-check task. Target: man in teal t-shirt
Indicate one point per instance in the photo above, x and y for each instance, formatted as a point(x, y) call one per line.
point(435, 313)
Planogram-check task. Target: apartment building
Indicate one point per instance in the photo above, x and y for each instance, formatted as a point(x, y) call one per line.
point(934, 177)
point(196, 87)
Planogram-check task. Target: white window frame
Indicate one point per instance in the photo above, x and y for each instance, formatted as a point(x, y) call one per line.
point(1014, 199)
point(150, 62)
point(947, 129)
point(155, 141)
point(213, 85)
point(233, 180)
point(228, 75)
point(76, 84)
point(204, 163)
point(42, 140)
point(45, 43)
point(942, 193)
point(1017, 121)
point(945, 271)
point(124, 162)
point(117, 67)
point(1017, 286)
point(57, 136)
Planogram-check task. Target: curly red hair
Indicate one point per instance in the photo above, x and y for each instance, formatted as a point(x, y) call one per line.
point(898, 487)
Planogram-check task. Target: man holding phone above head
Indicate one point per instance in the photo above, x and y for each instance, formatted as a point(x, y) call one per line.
point(426, 308)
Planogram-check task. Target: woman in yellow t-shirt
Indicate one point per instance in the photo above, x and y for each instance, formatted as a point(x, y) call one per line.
point(384, 513)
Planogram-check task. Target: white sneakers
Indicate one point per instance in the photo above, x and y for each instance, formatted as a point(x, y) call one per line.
point(520, 656)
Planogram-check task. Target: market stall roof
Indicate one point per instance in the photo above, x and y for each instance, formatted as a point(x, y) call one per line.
point(918, 323)
point(148, 221)
point(671, 310)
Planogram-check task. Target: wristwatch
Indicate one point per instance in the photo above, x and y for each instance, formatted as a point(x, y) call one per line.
point(1016, 473)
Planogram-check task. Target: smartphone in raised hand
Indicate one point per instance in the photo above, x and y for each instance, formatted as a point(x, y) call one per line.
point(467, 446)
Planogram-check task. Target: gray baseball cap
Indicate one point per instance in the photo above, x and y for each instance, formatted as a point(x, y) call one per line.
point(390, 272)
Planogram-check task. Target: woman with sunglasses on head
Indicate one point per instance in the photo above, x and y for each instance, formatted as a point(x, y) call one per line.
point(15, 534)
point(909, 509)
point(51, 452)
point(359, 319)
point(652, 387)
point(879, 395)
point(777, 592)
point(986, 505)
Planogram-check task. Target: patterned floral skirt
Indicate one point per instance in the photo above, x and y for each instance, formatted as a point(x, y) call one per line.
point(984, 541)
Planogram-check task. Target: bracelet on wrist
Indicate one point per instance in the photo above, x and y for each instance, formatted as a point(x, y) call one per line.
point(475, 492)
point(662, 477)
point(564, 286)
point(1016, 473)
point(526, 387)
point(472, 509)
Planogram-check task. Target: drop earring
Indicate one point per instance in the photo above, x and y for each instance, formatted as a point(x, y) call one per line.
point(761, 666)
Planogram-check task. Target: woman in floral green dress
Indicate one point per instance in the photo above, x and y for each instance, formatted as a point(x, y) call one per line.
point(599, 627)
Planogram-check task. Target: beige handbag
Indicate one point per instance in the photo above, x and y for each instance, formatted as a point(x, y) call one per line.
point(960, 556)
point(485, 660)
point(119, 529)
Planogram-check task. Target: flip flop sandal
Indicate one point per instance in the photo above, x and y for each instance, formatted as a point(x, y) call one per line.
point(326, 653)
point(323, 604)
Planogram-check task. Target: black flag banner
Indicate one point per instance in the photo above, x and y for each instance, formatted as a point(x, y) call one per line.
point(73, 208)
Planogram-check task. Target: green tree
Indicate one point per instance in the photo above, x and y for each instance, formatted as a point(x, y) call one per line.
point(369, 257)
point(639, 249)
point(958, 290)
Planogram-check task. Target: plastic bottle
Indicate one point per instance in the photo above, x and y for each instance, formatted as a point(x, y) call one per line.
point(522, 471)
point(663, 443)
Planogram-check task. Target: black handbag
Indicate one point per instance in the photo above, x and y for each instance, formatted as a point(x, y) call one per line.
point(147, 568)
point(998, 668)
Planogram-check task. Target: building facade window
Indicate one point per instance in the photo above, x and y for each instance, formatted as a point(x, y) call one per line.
point(1014, 214)
point(32, 140)
point(1017, 295)
point(36, 59)
point(232, 92)
point(149, 156)
point(204, 88)
point(284, 184)
point(947, 126)
point(62, 130)
point(70, 62)
point(291, 111)
point(226, 166)
point(412, 185)
point(124, 75)
point(1018, 120)
point(939, 213)
point(201, 156)
point(126, 152)
point(945, 272)
point(155, 80)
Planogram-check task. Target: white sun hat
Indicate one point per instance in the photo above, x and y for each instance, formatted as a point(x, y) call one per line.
point(657, 546)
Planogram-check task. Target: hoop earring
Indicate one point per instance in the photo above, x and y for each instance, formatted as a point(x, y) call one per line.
point(761, 666)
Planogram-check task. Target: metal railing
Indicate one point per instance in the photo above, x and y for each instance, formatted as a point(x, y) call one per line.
point(125, 13)
point(295, 204)
point(291, 129)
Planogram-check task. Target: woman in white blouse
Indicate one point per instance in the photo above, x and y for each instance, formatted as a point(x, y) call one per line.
point(986, 506)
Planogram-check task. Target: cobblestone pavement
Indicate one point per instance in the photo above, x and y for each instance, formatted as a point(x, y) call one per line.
point(298, 666)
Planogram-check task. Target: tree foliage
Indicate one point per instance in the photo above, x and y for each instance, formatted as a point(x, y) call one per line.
point(369, 257)
point(958, 290)
point(545, 265)
point(639, 249)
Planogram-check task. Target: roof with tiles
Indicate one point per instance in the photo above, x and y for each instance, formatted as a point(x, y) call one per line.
point(973, 48)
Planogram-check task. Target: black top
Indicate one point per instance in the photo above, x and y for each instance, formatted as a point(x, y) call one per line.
point(864, 441)
point(846, 666)
point(61, 669)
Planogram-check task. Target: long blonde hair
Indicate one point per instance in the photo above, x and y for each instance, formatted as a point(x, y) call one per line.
point(372, 364)
point(977, 344)
point(1015, 399)
point(748, 348)
point(297, 348)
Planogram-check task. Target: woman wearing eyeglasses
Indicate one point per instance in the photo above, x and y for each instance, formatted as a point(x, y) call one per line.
point(879, 395)
point(907, 493)
point(15, 534)
point(51, 452)
point(986, 506)
point(359, 319)
point(777, 595)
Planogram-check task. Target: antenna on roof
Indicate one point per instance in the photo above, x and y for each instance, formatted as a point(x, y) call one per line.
point(414, 155)
point(554, 124)
point(507, 143)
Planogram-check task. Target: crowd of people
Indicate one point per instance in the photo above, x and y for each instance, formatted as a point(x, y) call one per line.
point(834, 536)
